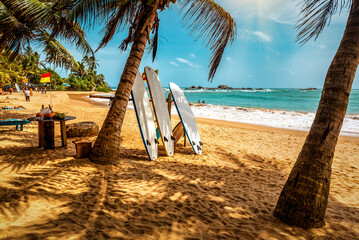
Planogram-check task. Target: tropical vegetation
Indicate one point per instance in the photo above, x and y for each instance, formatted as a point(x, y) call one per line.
point(27, 66)
point(44, 23)
point(304, 198)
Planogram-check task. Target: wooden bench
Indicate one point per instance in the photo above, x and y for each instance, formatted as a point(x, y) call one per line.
point(16, 122)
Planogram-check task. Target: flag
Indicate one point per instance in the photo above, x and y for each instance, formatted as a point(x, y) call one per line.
point(45, 78)
point(25, 80)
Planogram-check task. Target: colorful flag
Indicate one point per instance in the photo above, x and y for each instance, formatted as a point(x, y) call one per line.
point(45, 78)
point(25, 80)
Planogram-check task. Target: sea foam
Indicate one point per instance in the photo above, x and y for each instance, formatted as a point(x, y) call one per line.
point(266, 117)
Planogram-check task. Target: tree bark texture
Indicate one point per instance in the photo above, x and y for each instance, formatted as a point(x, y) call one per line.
point(303, 200)
point(106, 149)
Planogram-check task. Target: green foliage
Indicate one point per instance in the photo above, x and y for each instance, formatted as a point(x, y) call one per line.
point(27, 64)
point(102, 89)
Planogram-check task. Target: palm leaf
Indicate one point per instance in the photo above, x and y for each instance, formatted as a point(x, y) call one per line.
point(208, 21)
point(56, 53)
point(315, 15)
point(86, 11)
point(117, 17)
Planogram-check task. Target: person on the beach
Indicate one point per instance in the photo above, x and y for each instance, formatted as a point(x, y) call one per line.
point(27, 95)
point(45, 90)
point(42, 90)
point(31, 92)
point(10, 90)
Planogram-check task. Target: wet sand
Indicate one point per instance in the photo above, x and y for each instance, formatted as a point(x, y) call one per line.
point(228, 192)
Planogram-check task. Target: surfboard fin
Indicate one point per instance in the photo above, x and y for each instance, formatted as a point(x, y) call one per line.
point(173, 138)
point(148, 142)
point(199, 148)
point(200, 143)
point(164, 138)
point(193, 143)
point(156, 141)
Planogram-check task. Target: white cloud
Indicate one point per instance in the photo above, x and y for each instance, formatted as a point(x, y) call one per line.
point(262, 36)
point(182, 60)
point(173, 63)
point(193, 55)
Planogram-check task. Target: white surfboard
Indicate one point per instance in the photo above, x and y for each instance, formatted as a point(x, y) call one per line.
point(187, 118)
point(144, 116)
point(160, 109)
point(17, 87)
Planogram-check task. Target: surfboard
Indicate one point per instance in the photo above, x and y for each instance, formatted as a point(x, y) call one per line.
point(160, 110)
point(17, 87)
point(145, 117)
point(187, 118)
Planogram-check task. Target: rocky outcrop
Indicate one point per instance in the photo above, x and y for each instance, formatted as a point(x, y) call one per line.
point(82, 129)
point(222, 87)
point(308, 89)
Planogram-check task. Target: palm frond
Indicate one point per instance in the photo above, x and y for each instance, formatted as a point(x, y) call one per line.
point(209, 21)
point(117, 16)
point(56, 53)
point(86, 12)
point(14, 34)
point(315, 15)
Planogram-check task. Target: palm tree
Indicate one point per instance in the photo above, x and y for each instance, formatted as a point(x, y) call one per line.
point(40, 22)
point(204, 18)
point(304, 198)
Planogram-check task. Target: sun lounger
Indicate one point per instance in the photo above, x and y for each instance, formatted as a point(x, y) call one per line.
point(17, 122)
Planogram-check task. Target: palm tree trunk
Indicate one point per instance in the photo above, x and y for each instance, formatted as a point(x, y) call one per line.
point(106, 149)
point(304, 198)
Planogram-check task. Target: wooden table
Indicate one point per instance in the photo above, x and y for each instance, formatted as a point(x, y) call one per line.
point(46, 131)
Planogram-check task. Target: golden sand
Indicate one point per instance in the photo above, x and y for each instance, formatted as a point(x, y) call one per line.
point(228, 192)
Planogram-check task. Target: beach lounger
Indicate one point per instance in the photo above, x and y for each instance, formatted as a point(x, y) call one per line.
point(16, 122)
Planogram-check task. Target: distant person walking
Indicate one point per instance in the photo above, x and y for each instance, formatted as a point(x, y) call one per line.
point(45, 90)
point(31, 92)
point(42, 90)
point(27, 95)
point(10, 89)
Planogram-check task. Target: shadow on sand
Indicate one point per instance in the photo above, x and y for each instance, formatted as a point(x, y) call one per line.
point(50, 194)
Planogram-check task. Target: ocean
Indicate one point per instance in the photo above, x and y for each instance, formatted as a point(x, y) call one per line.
point(281, 108)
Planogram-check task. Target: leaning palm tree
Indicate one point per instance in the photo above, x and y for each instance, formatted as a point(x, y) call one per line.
point(205, 19)
point(304, 198)
point(40, 22)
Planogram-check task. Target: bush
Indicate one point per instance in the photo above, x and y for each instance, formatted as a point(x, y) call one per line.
point(102, 89)
point(59, 88)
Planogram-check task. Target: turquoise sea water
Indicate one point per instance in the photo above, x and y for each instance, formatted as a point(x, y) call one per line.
point(285, 99)
point(281, 108)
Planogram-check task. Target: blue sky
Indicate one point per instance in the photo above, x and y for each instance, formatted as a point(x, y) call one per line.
point(264, 54)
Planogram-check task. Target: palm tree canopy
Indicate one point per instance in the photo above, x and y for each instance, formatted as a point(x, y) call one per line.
point(205, 20)
point(315, 15)
point(39, 21)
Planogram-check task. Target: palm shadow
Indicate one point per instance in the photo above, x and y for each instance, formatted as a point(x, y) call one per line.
point(158, 199)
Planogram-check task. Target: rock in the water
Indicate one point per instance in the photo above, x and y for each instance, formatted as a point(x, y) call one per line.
point(82, 129)
point(222, 86)
point(193, 87)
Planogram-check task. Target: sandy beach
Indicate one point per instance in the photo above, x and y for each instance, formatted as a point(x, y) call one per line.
point(228, 192)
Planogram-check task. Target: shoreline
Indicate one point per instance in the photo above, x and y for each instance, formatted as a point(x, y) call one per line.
point(84, 97)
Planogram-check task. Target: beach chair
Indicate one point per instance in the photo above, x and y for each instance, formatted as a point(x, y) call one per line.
point(16, 122)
